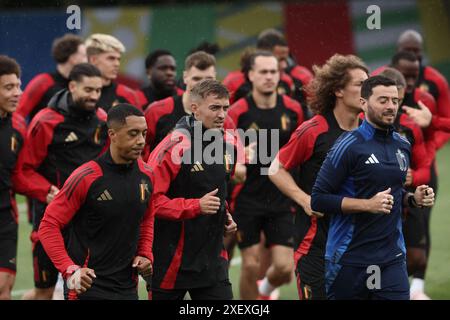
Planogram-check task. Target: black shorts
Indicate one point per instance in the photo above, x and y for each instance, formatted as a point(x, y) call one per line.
point(221, 291)
point(278, 227)
point(8, 246)
point(45, 273)
point(414, 229)
point(310, 272)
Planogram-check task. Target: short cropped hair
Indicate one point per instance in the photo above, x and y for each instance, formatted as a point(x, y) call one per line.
point(259, 53)
point(9, 66)
point(201, 60)
point(153, 56)
point(403, 55)
point(99, 43)
point(375, 81)
point(65, 46)
point(119, 113)
point(209, 87)
point(83, 70)
point(270, 38)
point(395, 75)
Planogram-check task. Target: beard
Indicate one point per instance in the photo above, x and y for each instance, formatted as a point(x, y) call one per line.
point(162, 89)
point(81, 104)
point(378, 120)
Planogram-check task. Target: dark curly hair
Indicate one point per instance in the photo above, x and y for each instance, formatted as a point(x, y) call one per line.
point(329, 78)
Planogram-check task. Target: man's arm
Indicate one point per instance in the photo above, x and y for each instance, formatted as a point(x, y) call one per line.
point(165, 171)
point(62, 210)
point(298, 150)
point(40, 134)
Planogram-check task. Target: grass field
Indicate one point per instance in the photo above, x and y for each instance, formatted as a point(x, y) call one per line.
point(438, 274)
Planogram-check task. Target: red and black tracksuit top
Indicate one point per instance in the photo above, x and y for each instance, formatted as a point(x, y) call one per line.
point(239, 86)
point(39, 91)
point(258, 192)
point(148, 95)
point(107, 209)
point(430, 134)
point(188, 253)
point(60, 138)
point(433, 82)
point(301, 77)
point(306, 151)
point(12, 137)
point(115, 93)
point(162, 116)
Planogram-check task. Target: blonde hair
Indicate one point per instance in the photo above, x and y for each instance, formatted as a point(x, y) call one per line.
point(99, 42)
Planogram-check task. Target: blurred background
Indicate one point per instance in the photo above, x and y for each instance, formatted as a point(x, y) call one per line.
point(315, 30)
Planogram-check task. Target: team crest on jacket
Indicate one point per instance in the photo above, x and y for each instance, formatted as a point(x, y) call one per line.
point(14, 143)
point(227, 160)
point(402, 162)
point(97, 135)
point(285, 122)
point(424, 87)
point(144, 192)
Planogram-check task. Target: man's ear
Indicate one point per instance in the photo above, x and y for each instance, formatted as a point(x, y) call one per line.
point(194, 107)
point(72, 86)
point(339, 93)
point(111, 133)
point(363, 104)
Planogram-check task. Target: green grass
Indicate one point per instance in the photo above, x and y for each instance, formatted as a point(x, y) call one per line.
point(438, 274)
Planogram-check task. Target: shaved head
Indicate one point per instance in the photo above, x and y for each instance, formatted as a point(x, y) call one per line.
point(412, 41)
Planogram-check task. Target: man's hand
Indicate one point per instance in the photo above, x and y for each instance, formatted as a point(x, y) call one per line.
point(306, 205)
point(230, 225)
point(209, 203)
point(424, 196)
point(52, 194)
point(143, 266)
point(421, 116)
point(81, 280)
point(382, 202)
point(409, 178)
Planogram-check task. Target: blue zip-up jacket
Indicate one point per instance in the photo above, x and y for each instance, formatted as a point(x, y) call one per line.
point(362, 163)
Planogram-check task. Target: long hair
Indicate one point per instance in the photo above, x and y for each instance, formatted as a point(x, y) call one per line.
point(329, 78)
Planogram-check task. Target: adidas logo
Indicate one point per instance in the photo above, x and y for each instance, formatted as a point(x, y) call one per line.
point(71, 137)
point(105, 196)
point(197, 167)
point(372, 159)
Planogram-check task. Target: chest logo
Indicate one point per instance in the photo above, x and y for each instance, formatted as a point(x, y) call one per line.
point(285, 122)
point(197, 167)
point(105, 196)
point(14, 144)
point(227, 162)
point(71, 137)
point(97, 135)
point(424, 87)
point(144, 191)
point(372, 159)
point(402, 162)
point(254, 126)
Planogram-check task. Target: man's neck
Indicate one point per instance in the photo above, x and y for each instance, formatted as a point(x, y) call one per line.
point(3, 114)
point(186, 99)
point(263, 101)
point(116, 158)
point(346, 117)
point(106, 82)
point(64, 69)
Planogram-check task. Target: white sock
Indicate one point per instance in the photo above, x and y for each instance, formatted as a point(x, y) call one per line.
point(265, 288)
point(417, 285)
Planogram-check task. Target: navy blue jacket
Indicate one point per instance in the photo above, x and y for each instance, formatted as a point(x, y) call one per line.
point(362, 163)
